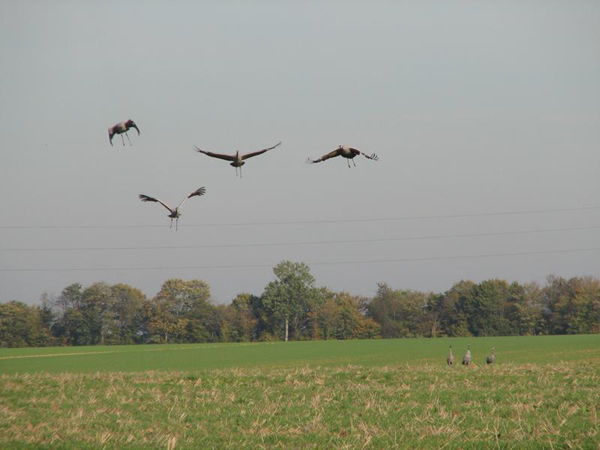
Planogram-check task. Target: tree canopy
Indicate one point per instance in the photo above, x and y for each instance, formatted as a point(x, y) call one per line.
point(291, 306)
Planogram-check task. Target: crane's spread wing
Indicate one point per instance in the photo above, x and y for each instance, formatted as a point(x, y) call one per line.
point(217, 155)
point(197, 193)
point(133, 125)
point(356, 151)
point(331, 154)
point(260, 152)
point(111, 133)
point(374, 157)
point(146, 198)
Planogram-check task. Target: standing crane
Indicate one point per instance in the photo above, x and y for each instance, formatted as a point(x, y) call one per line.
point(237, 159)
point(491, 358)
point(467, 358)
point(120, 128)
point(346, 152)
point(450, 358)
point(173, 212)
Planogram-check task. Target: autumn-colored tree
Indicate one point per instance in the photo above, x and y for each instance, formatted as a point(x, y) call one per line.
point(22, 326)
point(573, 305)
point(291, 307)
point(181, 312)
point(239, 320)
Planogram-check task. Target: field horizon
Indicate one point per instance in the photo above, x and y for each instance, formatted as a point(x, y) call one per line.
point(191, 357)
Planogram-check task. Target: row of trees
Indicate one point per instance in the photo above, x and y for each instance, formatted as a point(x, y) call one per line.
point(292, 307)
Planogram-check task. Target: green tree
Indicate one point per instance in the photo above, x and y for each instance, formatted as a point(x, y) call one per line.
point(431, 325)
point(67, 307)
point(127, 306)
point(160, 325)
point(181, 312)
point(453, 317)
point(75, 328)
point(322, 319)
point(205, 323)
point(573, 305)
point(400, 313)
point(484, 306)
point(524, 309)
point(21, 326)
point(70, 297)
point(239, 321)
point(349, 322)
point(47, 313)
point(98, 311)
point(289, 298)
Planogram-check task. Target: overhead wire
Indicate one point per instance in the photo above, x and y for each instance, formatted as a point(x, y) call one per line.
point(281, 244)
point(307, 222)
point(317, 263)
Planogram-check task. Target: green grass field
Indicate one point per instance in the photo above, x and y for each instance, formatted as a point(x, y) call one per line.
point(543, 392)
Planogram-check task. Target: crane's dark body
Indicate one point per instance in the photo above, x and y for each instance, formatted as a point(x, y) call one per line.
point(450, 358)
point(238, 160)
point(122, 128)
point(345, 152)
point(173, 212)
point(491, 358)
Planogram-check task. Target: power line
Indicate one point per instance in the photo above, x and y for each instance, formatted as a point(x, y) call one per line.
point(280, 244)
point(322, 263)
point(304, 222)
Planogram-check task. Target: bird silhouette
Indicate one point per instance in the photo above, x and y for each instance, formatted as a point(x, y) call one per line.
point(174, 213)
point(120, 128)
point(346, 152)
point(238, 160)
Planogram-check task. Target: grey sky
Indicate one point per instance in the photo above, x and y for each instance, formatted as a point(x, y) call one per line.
point(472, 107)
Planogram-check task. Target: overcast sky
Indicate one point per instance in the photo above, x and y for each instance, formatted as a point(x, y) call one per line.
point(473, 108)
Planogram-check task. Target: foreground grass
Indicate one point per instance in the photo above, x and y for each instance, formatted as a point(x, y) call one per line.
point(544, 392)
point(408, 406)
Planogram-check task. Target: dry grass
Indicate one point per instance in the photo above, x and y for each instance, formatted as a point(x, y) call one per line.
point(524, 406)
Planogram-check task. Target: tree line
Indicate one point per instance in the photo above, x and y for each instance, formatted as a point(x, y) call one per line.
point(291, 307)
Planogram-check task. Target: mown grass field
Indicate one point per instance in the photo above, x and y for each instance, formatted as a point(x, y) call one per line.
point(543, 392)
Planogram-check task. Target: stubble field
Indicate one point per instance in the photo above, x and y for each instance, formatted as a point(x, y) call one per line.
point(543, 392)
